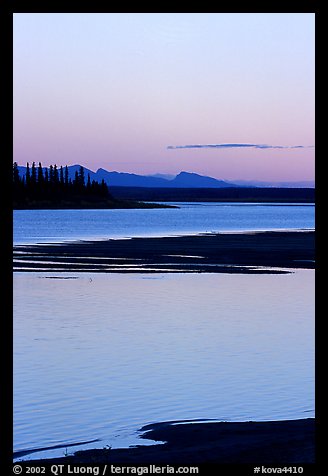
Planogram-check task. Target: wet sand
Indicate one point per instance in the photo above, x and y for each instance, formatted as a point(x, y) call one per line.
point(254, 252)
point(275, 442)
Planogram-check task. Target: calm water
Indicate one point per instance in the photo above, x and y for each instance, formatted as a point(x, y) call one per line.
point(101, 355)
point(97, 356)
point(56, 225)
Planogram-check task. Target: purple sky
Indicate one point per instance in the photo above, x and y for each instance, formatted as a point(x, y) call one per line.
point(130, 92)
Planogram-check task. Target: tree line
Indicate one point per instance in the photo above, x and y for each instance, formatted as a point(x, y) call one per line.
point(54, 184)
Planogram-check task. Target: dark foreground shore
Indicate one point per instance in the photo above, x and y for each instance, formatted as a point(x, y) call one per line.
point(275, 442)
point(255, 252)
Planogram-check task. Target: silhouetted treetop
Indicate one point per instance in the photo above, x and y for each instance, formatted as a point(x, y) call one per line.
point(49, 183)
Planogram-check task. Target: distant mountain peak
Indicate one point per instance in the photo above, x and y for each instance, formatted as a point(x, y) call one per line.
point(183, 179)
point(184, 173)
point(191, 179)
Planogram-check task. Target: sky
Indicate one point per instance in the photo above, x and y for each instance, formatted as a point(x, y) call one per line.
point(225, 95)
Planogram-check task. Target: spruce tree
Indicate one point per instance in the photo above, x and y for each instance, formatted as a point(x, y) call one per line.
point(88, 187)
point(103, 189)
point(51, 174)
point(56, 175)
point(61, 176)
point(76, 182)
point(16, 174)
point(33, 175)
point(66, 176)
point(40, 182)
point(40, 174)
point(81, 177)
point(28, 175)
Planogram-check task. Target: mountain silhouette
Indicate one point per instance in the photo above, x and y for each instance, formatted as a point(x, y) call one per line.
point(182, 180)
point(124, 179)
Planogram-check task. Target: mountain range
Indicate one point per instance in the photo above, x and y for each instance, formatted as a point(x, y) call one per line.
point(181, 180)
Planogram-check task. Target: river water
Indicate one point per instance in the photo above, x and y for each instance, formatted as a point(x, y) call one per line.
point(97, 356)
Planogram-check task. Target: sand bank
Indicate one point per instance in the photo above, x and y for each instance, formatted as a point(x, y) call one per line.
point(275, 442)
point(258, 252)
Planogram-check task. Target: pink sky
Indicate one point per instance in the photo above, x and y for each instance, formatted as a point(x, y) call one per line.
point(115, 90)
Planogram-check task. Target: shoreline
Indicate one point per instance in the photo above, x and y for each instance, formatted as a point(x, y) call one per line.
point(233, 252)
point(270, 442)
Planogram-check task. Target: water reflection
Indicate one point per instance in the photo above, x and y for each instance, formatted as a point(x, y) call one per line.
point(99, 356)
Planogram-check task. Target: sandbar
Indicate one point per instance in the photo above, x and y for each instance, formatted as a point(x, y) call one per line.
point(287, 442)
point(252, 252)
